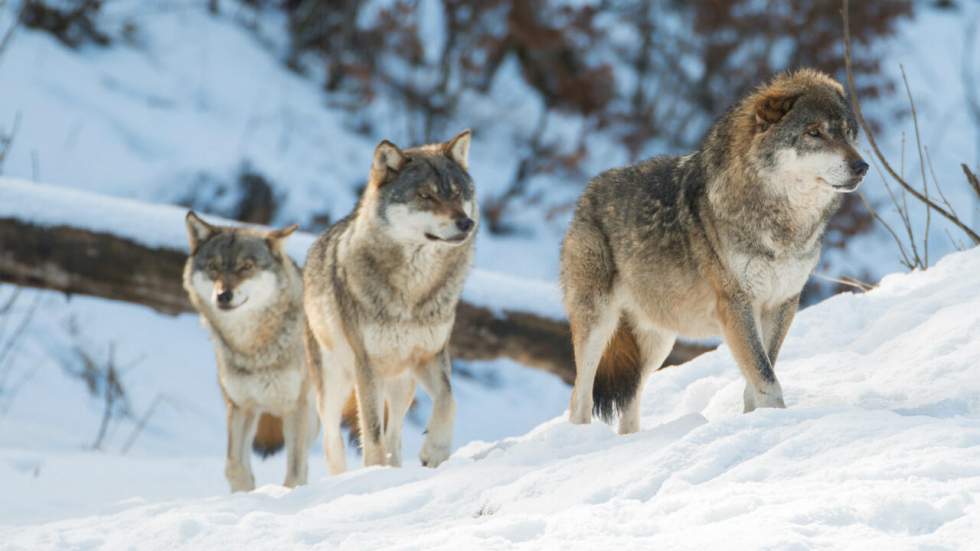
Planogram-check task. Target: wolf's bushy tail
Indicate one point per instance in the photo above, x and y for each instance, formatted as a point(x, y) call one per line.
point(268, 436)
point(619, 372)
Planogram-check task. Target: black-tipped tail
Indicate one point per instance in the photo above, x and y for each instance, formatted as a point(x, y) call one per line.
point(268, 436)
point(618, 377)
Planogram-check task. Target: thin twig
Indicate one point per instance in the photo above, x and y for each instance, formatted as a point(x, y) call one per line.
point(935, 181)
point(138, 429)
point(874, 213)
point(915, 261)
point(922, 164)
point(848, 281)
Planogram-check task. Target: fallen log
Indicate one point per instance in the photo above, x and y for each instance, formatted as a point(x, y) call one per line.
point(80, 243)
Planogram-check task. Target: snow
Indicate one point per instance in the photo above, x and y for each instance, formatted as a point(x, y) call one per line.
point(49, 422)
point(879, 449)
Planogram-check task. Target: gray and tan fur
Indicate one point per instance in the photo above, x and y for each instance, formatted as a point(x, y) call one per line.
point(720, 241)
point(250, 296)
point(381, 292)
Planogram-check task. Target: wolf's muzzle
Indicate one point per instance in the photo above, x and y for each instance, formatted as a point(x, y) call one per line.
point(464, 224)
point(224, 299)
point(859, 167)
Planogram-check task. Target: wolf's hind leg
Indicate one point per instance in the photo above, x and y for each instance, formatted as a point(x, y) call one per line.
point(435, 379)
point(591, 332)
point(296, 430)
point(335, 389)
point(399, 392)
point(654, 348)
point(238, 461)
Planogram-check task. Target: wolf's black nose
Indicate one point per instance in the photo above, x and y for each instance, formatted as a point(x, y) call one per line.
point(224, 298)
point(464, 224)
point(859, 167)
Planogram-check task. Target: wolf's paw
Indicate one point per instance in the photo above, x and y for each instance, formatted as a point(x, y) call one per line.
point(769, 399)
point(239, 478)
point(433, 455)
point(295, 479)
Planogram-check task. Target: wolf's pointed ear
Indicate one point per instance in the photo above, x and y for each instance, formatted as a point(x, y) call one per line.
point(198, 231)
point(458, 149)
point(387, 157)
point(276, 238)
point(770, 109)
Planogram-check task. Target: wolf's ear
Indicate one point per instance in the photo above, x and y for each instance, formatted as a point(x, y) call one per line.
point(276, 238)
point(458, 149)
point(387, 157)
point(198, 230)
point(770, 109)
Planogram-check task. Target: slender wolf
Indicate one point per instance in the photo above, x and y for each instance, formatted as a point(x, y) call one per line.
point(720, 241)
point(250, 296)
point(381, 293)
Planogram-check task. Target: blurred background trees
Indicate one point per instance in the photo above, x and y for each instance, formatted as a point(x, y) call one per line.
point(652, 76)
point(605, 82)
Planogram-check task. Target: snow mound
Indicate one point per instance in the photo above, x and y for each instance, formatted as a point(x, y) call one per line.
point(879, 449)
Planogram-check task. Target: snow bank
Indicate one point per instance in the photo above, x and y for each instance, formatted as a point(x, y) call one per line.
point(879, 449)
point(162, 226)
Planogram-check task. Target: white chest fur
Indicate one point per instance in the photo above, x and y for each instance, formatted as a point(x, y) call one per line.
point(395, 347)
point(772, 281)
point(273, 390)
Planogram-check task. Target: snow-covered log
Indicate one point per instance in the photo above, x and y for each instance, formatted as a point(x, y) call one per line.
point(120, 249)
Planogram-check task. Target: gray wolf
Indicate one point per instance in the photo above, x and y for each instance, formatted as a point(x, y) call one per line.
point(717, 242)
point(250, 296)
point(381, 292)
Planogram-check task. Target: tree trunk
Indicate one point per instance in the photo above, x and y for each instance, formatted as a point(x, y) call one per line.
point(79, 261)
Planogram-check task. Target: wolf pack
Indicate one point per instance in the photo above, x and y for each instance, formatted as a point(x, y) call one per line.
point(718, 242)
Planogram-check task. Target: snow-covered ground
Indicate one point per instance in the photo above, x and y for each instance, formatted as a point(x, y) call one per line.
point(879, 449)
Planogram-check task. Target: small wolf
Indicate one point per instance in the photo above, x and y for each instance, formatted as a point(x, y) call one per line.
point(381, 293)
point(718, 241)
point(250, 296)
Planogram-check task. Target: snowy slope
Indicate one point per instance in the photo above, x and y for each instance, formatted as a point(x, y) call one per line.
point(879, 449)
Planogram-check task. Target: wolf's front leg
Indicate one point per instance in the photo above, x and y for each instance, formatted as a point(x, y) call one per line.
point(238, 462)
point(435, 379)
point(399, 392)
point(296, 431)
point(775, 325)
point(370, 409)
point(742, 335)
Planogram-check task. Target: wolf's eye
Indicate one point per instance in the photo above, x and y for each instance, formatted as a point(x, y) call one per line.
point(246, 266)
point(814, 133)
point(426, 196)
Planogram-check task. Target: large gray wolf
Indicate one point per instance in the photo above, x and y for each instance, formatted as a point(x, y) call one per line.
point(720, 241)
point(381, 293)
point(250, 296)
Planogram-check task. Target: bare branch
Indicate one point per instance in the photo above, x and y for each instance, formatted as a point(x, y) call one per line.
point(852, 90)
